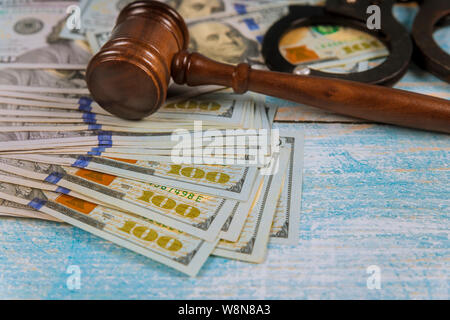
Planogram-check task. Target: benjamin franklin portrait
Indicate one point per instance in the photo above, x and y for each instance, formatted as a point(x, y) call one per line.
point(222, 42)
point(192, 9)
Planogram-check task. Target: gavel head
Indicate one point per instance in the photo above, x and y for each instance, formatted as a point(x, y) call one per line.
point(130, 74)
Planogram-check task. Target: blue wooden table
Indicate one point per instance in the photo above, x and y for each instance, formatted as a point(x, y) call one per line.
point(373, 195)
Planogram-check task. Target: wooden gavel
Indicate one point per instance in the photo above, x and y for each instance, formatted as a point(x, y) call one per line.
point(129, 76)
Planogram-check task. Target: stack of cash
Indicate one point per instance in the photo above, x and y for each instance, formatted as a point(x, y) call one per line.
point(178, 186)
point(65, 159)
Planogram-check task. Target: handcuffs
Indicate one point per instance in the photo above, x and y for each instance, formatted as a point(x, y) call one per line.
point(352, 13)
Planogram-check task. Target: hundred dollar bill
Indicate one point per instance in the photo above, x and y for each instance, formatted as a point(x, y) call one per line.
point(197, 137)
point(42, 81)
point(17, 210)
point(241, 156)
point(8, 207)
point(41, 89)
point(35, 120)
point(30, 37)
point(285, 225)
point(65, 103)
point(357, 63)
point(9, 211)
point(14, 122)
point(252, 243)
point(80, 125)
point(94, 14)
point(43, 65)
point(214, 108)
point(83, 104)
point(350, 67)
point(233, 226)
point(177, 115)
point(27, 182)
point(44, 155)
point(12, 209)
point(158, 242)
point(269, 109)
point(191, 212)
point(170, 170)
point(271, 112)
point(230, 40)
point(234, 39)
point(325, 46)
point(232, 182)
point(36, 140)
point(24, 140)
point(43, 96)
point(26, 27)
point(101, 14)
point(144, 146)
point(29, 115)
point(239, 212)
point(197, 10)
point(230, 230)
point(97, 38)
point(42, 185)
point(32, 127)
point(157, 155)
point(17, 123)
point(238, 38)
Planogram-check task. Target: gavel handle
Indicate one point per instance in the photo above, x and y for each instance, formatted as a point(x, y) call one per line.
point(375, 103)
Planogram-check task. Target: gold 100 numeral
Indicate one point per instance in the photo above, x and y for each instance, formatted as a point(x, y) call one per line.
point(207, 106)
point(169, 204)
point(360, 46)
point(147, 234)
point(197, 173)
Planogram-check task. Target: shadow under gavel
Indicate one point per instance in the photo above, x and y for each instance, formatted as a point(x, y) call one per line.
point(129, 76)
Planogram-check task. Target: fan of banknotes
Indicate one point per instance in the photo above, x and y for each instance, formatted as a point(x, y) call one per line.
point(65, 159)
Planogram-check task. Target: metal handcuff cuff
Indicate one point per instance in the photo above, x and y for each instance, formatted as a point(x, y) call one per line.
point(353, 15)
point(427, 53)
